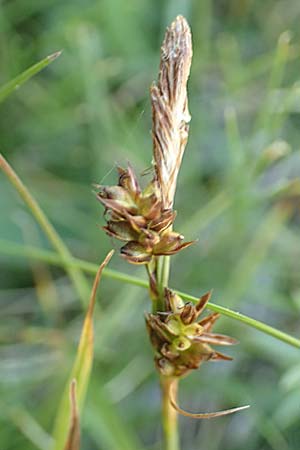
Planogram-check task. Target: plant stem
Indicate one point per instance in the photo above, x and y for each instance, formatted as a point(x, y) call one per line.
point(162, 278)
point(13, 249)
point(75, 274)
point(165, 272)
point(169, 414)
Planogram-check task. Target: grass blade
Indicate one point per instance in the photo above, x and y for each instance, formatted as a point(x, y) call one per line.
point(29, 427)
point(255, 253)
point(280, 59)
point(105, 424)
point(28, 251)
point(16, 82)
point(52, 258)
point(81, 369)
point(75, 274)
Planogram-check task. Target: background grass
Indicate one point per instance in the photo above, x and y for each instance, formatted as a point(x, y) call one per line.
point(66, 129)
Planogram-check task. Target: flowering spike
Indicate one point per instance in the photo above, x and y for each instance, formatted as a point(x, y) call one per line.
point(139, 218)
point(181, 343)
point(170, 115)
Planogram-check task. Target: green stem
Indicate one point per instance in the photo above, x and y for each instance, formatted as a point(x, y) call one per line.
point(162, 275)
point(169, 414)
point(58, 244)
point(165, 272)
point(19, 250)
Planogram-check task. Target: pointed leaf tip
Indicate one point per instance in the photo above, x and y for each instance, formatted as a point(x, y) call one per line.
point(96, 282)
point(54, 55)
point(15, 83)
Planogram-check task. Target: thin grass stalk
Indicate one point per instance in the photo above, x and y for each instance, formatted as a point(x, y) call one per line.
point(13, 249)
point(58, 244)
point(279, 62)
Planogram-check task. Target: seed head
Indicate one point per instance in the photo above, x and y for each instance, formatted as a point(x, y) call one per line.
point(136, 217)
point(181, 343)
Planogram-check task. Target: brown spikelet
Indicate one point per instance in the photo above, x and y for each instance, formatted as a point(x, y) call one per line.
point(170, 115)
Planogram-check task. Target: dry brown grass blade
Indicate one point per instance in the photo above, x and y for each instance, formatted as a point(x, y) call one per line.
point(170, 114)
point(200, 415)
point(73, 440)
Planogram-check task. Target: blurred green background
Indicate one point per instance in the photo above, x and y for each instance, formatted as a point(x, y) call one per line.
point(66, 129)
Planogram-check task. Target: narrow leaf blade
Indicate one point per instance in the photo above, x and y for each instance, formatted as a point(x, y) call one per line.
point(81, 369)
point(20, 79)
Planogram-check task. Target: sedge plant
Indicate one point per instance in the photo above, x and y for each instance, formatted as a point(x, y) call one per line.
point(143, 218)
